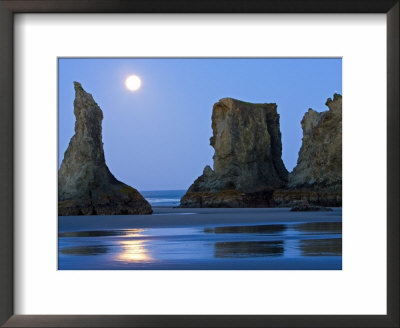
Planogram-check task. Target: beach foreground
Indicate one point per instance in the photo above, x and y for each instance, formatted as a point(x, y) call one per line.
point(203, 239)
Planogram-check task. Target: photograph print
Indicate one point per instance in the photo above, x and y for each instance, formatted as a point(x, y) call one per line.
point(199, 164)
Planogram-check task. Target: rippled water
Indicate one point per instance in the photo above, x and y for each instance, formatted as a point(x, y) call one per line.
point(163, 197)
point(315, 245)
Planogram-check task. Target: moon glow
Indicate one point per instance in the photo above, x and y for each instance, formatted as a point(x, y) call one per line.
point(133, 82)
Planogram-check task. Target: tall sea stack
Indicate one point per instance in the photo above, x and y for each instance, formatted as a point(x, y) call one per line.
point(85, 184)
point(317, 178)
point(248, 164)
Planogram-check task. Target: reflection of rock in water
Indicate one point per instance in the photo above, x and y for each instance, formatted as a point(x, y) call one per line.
point(248, 249)
point(98, 233)
point(102, 233)
point(319, 247)
point(261, 229)
point(85, 250)
point(331, 227)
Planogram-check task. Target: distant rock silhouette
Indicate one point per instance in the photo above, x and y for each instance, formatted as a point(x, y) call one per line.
point(248, 164)
point(317, 178)
point(85, 184)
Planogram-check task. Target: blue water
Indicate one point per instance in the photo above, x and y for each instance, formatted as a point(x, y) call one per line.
point(163, 197)
point(283, 246)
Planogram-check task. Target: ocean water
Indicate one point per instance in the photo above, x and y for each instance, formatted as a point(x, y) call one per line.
point(273, 246)
point(163, 197)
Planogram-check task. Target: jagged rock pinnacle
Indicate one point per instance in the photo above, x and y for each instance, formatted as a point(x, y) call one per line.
point(85, 184)
point(320, 158)
point(317, 177)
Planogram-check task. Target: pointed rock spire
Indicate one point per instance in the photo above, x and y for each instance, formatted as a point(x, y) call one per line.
point(85, 184)
point(317, 177)
point(319, 165)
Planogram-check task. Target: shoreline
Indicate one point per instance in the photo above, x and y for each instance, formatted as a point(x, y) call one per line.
point(168, 217)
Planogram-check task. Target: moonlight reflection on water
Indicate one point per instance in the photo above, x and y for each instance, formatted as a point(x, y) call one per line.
point(134, 251)
point(316, 245)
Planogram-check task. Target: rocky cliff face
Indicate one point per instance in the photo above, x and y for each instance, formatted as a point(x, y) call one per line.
point(247, 161)
point(317, 177)
point(85, 184)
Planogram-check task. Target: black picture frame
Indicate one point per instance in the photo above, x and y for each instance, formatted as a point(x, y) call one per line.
point(10, 7)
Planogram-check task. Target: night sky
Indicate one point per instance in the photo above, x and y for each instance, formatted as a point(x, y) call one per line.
point(157, 138)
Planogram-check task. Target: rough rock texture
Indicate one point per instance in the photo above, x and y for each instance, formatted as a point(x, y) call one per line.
point(85, 184)
point(288, 197)
point(317, 178)
point(247, 160)
point(304, 206)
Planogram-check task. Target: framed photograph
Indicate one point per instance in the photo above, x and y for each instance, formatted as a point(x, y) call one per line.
point(244, 211)
point(203, 164)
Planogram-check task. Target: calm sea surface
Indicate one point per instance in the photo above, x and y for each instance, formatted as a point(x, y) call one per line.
point(163, 197)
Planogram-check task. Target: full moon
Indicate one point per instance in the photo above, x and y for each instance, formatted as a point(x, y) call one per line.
point(133, 82)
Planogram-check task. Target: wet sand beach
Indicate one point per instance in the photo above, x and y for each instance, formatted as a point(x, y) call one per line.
point(201, 239)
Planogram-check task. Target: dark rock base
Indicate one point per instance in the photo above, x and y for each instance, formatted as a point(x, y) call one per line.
point(228, 199)
point(288, 198)
point(66, 208)
point(304, 206)
point(120, 200)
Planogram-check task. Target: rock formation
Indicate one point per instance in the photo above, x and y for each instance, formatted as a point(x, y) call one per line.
point(317, 178)
point(85, 184)
point(247, 161)
point(305, 206)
